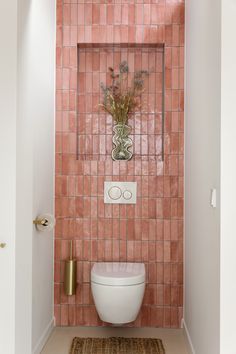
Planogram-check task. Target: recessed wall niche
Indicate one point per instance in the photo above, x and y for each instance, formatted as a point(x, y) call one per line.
point(94, 127)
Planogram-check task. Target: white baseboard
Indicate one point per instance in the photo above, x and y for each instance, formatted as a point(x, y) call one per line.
point(187, 338)
point(44, 337)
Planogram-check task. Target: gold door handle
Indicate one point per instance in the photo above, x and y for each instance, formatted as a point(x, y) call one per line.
point(2, 245)
point(43, 222)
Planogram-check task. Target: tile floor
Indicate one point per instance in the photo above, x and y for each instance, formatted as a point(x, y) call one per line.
point(61, 338)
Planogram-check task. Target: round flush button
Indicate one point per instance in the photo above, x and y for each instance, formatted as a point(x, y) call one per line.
point(115, 193)
point(127, 195)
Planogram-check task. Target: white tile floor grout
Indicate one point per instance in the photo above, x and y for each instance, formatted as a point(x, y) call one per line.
point(61, 338)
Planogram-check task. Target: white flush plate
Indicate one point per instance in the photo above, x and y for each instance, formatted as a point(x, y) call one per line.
point(120, 192)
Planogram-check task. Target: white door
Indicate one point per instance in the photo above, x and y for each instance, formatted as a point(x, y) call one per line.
point(8, 59)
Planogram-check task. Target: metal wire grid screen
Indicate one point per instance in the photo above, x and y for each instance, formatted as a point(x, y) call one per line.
point(94, 126)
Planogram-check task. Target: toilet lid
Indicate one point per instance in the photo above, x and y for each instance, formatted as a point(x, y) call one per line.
point(118, 273)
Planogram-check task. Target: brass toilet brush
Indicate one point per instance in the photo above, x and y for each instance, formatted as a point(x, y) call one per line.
point(70, 280)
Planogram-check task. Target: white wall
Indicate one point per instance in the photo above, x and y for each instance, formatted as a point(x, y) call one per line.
point(202, 172)
point(35, 172)
point(228, 178)
point(8, 73)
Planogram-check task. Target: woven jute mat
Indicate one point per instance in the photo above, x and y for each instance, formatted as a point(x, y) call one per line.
point(117, 345)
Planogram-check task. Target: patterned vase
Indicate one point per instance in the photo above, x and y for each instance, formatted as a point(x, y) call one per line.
point(122, 143)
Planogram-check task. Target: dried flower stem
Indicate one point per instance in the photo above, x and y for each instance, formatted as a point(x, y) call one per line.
point(121, 101)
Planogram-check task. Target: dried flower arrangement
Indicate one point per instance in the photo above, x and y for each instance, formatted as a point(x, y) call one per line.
point(120, 100)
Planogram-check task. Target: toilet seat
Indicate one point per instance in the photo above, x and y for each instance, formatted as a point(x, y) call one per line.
point(118, 274)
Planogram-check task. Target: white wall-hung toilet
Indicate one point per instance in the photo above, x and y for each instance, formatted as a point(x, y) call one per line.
point(118, 290)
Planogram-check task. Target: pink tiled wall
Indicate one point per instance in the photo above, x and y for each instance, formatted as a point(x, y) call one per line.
point(152, 230)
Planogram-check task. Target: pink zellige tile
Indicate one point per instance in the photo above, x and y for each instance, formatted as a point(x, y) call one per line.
point(180, 315)
point(88, 33)
point(156, 317)
point(174, 317)
point(57, 314)
point(144, 251)
point(160, 273)
point(131, 14)
point(79, 207)
point(167, 295)
point(59, 13)
point(101, 250)
point(152, 208)
point(131, 34)
point(152, 229)
point(94, 210)
point(151, 251)
point(167, 228)
point(174, 186)
point(159, 230)
point(110, 14)
point(145, 229)
point(88, 14)
point(166, 208)
point(145, 208)
point(139, 34)
point(174, 207)
point(131, 212)
point(146, 14)
point(137, 251)
point(64, 315)
point(145, 316)
point(59, 38)
point(79, 315)
point(80, 17)
point(117, 34)
point(174, 230)
point(116, 212)
point(123, 250)
point(94, 227)
point(160, 295)
point(159, 251)
point(139, 14)
point(95, 33)
point(95, 14)
point(57, 294)
point(103, 14)
point(174, 273)
point(73, 36)
point(167, 273)
point(115, 250)
point(174, 296)
point(117, 14)
point(123, 230)
point(124, 33)
point(125, 14)
point(116, 228)
point(72, 315)
point(152, 273)
point(66, 14)
point(108, 250)
point(167, 251)
point(130, 251)
point(167, 317)
point(86, 228)
point(138, 229)
point(74, 15)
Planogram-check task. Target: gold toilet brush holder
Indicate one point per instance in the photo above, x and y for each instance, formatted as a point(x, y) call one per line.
point(70, 280)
